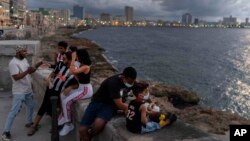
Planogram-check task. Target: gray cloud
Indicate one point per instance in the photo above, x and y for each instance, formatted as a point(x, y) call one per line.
point(154, 9)
point(206, 8)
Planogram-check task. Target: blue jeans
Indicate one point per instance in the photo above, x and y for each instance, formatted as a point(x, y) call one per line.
point(150, 127)
point(17, 101)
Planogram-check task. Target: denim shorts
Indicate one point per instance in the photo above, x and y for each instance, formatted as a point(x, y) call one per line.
point(150, 127)
point(97, 110)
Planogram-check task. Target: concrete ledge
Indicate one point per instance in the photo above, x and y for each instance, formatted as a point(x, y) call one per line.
point(115, 130)
point(38, 82)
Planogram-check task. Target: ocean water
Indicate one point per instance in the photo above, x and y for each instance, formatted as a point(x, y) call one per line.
point(213, 62)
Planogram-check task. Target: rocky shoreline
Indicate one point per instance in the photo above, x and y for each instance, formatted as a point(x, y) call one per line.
point(170, 98)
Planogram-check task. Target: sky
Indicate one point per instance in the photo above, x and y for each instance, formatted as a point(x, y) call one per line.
point(210, 10)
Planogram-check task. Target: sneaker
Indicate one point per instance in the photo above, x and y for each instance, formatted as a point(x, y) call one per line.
point(32, 130)
point(6, 136)
point(61, 121)
point(28, 125)
point(66, 129)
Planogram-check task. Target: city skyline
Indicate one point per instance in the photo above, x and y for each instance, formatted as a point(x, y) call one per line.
point(212, 10)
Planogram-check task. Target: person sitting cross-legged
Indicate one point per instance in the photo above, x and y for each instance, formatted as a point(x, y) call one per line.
point(138, 119)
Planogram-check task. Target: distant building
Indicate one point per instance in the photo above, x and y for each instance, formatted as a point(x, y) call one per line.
point(64, 16)
point(229, 21)
point(196, 21)
point(247, 22)
point(78, 12)
point(186, 19)
point(37, 20)
point(17, 11)
point(105, 19)
point(118, 20)
point(129, 14)
point(4, 12)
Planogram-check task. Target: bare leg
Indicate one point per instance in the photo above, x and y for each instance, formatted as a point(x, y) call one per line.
point(98, 126)
point(37, 120)
point(84, 135)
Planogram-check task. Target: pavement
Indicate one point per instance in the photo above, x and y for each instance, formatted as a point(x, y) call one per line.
point(19, 131)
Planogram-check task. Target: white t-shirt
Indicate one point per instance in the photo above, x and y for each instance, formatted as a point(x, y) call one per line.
point(21, 86)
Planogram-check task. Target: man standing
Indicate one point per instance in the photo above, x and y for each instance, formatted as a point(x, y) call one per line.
point(21, 89)
point(105, 102)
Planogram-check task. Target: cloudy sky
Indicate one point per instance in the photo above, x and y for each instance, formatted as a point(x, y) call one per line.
point(212, 10)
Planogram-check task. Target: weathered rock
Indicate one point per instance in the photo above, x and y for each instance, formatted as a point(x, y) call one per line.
point(179, 96)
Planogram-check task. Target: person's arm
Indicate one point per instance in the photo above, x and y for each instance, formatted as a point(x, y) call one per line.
point(16, 73)
point(22, 74)
point(73, 70)
point(37, 65)
point(143, 111)
point(120, 105)
point(52, 75)
point(85, 69)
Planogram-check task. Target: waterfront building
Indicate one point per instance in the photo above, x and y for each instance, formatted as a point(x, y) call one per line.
point(78, 12)
point(75, 21)
point(37, 21)
point(118, 20)
point(229, 21)
point(186, 19)
point(17, 11)
point(247, 22)
point(105, 18)
point(129, 15)
point(64, 16)
point(196, 21)
point(4, 12)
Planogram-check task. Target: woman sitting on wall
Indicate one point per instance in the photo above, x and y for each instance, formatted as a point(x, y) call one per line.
point(81, 70)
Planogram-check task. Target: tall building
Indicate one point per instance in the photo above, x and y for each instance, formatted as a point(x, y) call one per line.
point(106, 17)
point(64, 16)
point(229, 21)
point(78, 12)
point(247, 21)
point(4, 12)
point(196, 21)
point(17, 11)
point(186, 19)
point(129, 14)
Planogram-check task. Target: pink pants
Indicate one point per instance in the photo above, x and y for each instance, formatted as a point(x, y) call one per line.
point(82, 92)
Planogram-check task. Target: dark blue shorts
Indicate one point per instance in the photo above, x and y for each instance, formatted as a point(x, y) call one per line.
point(97, 110)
